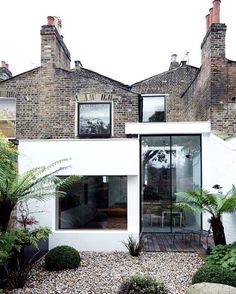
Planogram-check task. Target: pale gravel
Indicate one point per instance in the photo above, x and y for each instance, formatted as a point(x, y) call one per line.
point(102, 273)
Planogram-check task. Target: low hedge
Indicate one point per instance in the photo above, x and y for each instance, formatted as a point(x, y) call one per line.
point(214, 274)
point(61, 258)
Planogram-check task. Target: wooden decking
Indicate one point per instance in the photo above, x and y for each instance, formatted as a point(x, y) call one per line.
point(178, 242)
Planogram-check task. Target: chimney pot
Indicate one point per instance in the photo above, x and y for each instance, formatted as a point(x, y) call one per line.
point(207, 21)
point(51, 21)
point(173, 58)
point(3, 64)
point(211, 16)
point(216, 11)
point(55, 21)
point(7, 65)
point(173, 62)
point(78, 64)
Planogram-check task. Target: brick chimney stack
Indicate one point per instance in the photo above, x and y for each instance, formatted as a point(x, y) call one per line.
point(53, 49)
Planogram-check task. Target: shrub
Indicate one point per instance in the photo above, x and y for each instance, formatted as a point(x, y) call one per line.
point(14, 266)
point(62, 257)
point(142, 285)
point(214, 274)
point(224, 255)
point(134, 247)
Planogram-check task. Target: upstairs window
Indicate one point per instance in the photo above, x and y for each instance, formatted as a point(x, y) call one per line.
point(94, 120)
point(8, 117)
point(152, 109)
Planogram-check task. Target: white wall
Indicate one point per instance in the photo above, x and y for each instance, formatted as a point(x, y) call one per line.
point(88, 157)
point(219, 167)
point(120, 157)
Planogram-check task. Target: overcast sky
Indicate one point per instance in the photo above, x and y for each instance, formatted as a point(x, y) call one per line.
point(127, 40)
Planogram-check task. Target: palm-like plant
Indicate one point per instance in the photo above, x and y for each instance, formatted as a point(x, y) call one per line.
point(216, 204)
point(39, 183)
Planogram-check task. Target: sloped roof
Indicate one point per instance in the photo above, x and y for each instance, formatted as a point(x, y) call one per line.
point(158, 76)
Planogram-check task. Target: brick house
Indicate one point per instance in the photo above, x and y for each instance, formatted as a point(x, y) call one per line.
point(135, 146)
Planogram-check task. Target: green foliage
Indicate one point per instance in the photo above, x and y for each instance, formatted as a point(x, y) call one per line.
point(26, 237)
point(9, 242)
point(61, 258)
point(8, 159)
point(39, 183)
point(224, 256)
point(204, 201)
point(201, 200)
point(14, 268)
point(134, 247)
point(214, 274)
point(15, 274)
point(15, 240)
point(142, 284)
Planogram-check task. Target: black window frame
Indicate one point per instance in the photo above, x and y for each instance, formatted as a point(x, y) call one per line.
point(94, 135)
point(141, 102)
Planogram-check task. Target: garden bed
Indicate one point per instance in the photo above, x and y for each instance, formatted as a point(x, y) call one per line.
point(102, 273)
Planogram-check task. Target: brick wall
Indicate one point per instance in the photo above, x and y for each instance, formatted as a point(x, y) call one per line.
point(210, 97)
point(50, 111)
point(173, 82)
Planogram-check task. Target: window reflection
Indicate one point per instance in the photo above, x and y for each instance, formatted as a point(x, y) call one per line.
point(153, 109)
point(170, 164)
point(94, 202)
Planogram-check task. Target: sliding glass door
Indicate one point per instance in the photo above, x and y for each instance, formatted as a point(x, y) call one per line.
point(169, 164)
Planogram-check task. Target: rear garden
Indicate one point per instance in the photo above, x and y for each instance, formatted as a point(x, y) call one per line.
point(65, 270)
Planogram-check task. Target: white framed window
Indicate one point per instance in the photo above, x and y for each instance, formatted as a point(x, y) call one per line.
point(152, 108)
point(93, 203)
point(8, 116)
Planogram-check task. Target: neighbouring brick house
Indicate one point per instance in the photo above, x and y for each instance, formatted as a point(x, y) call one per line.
point(136, 144)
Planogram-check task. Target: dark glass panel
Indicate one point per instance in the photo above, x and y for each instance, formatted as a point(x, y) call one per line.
point(94, 202)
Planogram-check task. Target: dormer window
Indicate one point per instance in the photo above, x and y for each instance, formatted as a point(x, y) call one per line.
point(8, 117)
point(153, 108)
point(94, 119)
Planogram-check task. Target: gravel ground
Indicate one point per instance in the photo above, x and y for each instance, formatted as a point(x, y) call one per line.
point(102, 273)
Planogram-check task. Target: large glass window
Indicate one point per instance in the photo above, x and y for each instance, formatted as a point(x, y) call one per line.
point(152, 109)
point(94, 202)
point(170, 164)
point(94, 119)
point(8, 116)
